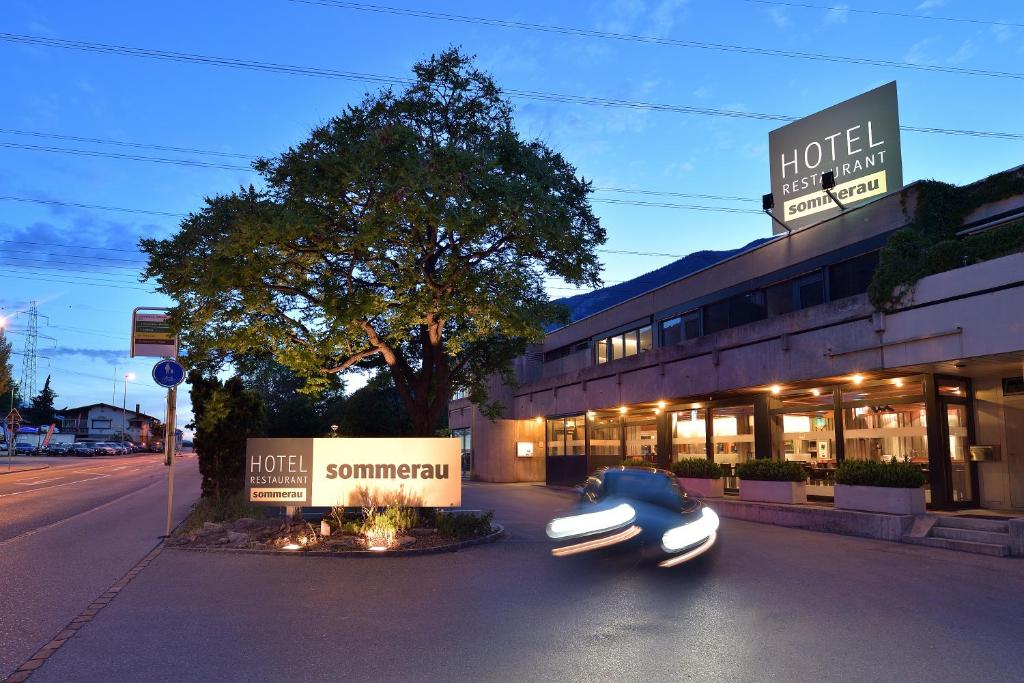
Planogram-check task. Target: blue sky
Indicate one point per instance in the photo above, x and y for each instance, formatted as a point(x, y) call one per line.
point(88, 285)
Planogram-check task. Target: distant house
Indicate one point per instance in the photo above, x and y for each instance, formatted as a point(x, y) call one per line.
point(106, 422)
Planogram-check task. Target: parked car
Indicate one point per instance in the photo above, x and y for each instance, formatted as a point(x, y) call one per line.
point(640, 507)
point(81, 449)
point(104, 448)
point(58, 448)
point(22, 448)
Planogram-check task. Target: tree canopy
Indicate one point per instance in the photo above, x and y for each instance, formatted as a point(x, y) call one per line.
point(41, 408)
point(411, 233)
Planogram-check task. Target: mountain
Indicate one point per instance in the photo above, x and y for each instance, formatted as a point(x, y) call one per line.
point(582, 305)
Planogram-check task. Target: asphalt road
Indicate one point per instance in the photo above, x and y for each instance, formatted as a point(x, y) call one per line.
point(70, 531)
point(773, 604)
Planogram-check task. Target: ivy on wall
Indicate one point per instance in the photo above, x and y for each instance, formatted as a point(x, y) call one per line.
point(928, 244)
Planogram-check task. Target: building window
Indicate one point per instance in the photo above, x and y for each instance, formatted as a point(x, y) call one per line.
point(810, 289)
point(626, 344)
point(566, 436)
point(689, 434)
point(732, 438)
point(606, 435)
point(642, 437)
point(101, 424)
point(1013, 386)
point(807, 422)
point(675, 330)
point(852, 276)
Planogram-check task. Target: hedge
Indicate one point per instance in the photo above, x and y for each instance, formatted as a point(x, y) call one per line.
point(697, 468)
point(871, 473)
point(763, 469)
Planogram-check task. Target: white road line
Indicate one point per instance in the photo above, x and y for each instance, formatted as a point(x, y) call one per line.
point(37, 481)
point(55, 486)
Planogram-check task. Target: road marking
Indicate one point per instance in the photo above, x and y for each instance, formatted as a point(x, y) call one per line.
point(55, 486)
point(32, 532)
point(122, 467)
point(37, 481)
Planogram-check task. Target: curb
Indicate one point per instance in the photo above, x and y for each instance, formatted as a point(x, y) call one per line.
point(23, 672)
point(497, 532)
point(26, 469)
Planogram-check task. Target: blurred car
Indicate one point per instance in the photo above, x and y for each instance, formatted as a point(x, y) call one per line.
point(81, 448)
point(58, 448)
point(639, 507)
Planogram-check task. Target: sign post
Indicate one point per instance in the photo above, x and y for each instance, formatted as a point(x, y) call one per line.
point(13, 422)
point(169, 373)
point(152, 336)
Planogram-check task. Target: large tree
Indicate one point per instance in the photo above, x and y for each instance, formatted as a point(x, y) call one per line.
point(413, 232)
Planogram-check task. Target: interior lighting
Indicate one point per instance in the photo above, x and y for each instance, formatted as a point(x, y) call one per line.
point(815, 392)
point(622, 409)
point(661, 404)
point(538, 419)
point(591, 522)
point(898, 382)
point(591, 415)
point(857, 379)
point(682, 537)
point(776, 388)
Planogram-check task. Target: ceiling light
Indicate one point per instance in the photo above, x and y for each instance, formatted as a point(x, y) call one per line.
point(776, 388)
point(857, 379)
point(815, 392)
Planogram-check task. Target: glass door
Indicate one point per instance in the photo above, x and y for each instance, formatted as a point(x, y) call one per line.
point(957, 444)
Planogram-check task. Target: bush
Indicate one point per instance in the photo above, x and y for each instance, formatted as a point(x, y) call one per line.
point(697, 468)
point(763, 469)
point(893, 474)
point(382, 526)
point(464, 524)
point(635, 461)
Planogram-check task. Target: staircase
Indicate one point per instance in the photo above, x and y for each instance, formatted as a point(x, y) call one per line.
point(966, 534)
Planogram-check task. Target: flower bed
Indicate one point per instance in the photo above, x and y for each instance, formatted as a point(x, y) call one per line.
point(377, 533)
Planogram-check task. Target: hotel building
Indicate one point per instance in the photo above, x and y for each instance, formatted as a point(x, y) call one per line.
point(776, 352)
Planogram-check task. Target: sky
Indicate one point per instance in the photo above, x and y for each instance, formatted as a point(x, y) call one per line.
point(80, 263)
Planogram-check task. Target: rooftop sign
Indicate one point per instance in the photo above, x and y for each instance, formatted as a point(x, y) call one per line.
point(858, 140)
point(423, 472)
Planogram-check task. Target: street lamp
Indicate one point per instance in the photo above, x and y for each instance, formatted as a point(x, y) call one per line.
point(128, 377)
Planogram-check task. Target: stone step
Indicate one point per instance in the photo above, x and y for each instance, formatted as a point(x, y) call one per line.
point(994, 549)
point(970, 535)
point(991, 525)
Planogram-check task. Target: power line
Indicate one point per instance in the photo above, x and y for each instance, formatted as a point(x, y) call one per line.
point(655, 40)
point(884, 13)
point(725, 198)
point(70, 246)
point(668, 205)
point(124, 143)
point(54, 202)
point(117, 155)
point(391, 80)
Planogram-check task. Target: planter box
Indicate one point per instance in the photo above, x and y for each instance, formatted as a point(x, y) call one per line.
point(893, 501)
point(791, 492)
point(703, 488)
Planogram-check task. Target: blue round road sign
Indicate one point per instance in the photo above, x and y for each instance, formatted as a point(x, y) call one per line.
point(168, 373)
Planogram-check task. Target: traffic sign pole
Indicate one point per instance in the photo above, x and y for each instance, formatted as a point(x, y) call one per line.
point(169, 444)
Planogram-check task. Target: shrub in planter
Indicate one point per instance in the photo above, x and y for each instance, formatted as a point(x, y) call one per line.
point(697, 468)
point(870, 473)
point(700, 477)
point(635, 462)
point(772, 481)
point(892, 488)
point(464, 524)
point(763, 469)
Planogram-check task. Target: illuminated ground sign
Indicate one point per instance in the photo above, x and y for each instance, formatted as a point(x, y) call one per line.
point(424, 472)
point(858, 140)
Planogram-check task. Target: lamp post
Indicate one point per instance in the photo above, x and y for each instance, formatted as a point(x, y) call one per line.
point(128, 376)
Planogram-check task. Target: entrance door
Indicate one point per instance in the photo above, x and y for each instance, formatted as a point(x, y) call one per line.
point(957, 446)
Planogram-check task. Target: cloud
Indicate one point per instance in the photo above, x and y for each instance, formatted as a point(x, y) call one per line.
point(918, 52)
point(966, 50)
point(109, 356)
point(778, 17)
point(1002, 33)
point(930, 4)
point(837, 15)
